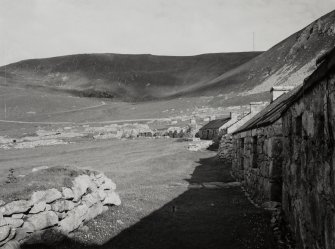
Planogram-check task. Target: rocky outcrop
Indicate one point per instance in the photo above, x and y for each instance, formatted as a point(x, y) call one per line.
point(51, 213)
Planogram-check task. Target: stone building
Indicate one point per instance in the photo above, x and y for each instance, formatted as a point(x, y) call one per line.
point(212, 129)
point(226, 141)
point(286, 153)
point(257, 152)
point(255, 107)
point(309, 162)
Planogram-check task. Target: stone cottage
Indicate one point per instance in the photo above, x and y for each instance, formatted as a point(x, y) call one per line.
point(212, 129)
point(257, 152)
point(254, 108)
point(226, 141)
point(309, 158)
point(286, 153)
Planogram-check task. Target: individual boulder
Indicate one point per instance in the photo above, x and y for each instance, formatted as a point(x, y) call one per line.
point(4, 232)
point(15, 207)
point(17, 216)
point(62, 205)
point(73, 220)
point(112, 198)
point(11, 222)
point(67, 193)
point(80, 185)
point(13, 244)
point(10, 236)
point(47, 196)
point(43, 220)
point(38, 207)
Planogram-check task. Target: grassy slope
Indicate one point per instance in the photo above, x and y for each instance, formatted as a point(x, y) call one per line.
point(127, 77)
point(288, 62)
point(231, 79)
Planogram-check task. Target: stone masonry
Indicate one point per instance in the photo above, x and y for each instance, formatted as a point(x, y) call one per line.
point(309, 168)
point(257, 161)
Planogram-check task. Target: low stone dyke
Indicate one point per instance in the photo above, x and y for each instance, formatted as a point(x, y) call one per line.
point(52, 213)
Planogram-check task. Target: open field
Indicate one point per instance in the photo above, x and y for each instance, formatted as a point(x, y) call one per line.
point(160, 209)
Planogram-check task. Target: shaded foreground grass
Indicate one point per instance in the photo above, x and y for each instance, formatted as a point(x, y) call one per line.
point(197, 218)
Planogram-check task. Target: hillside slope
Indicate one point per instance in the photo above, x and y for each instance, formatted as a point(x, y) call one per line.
point(229, 77)
point(125, 77)
point(287, 63)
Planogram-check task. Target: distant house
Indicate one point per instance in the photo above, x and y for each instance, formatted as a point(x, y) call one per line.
point(212, 129)
point(255, 107)
point(225, 151)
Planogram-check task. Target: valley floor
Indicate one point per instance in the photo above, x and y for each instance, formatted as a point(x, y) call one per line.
point(162, 205)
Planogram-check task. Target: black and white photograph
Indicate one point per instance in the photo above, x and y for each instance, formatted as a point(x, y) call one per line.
point(167, 124)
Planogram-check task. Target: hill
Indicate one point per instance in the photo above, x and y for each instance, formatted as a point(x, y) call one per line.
point(121, 76)
point(231, 78)
point(287, 63)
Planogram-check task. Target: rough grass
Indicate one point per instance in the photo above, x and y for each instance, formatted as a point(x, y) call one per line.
point(21, 188)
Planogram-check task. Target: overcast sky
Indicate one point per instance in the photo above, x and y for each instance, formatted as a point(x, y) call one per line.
point(44, 28)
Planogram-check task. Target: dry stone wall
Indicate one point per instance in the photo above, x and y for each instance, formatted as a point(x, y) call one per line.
point(51, 213)
point(257, 162)
point(309, 168)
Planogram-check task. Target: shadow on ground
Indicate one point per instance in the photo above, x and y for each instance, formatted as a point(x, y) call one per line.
point(198, 218)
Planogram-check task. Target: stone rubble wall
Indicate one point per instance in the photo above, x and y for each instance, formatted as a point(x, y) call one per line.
point(52, 212)
point(226, 148)
point(309, 168)
point(257, 163)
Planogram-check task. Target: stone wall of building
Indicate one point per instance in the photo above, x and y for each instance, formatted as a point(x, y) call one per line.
point(208, 134)
point(309, 168)
point(257, 162)
point(226, 148)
